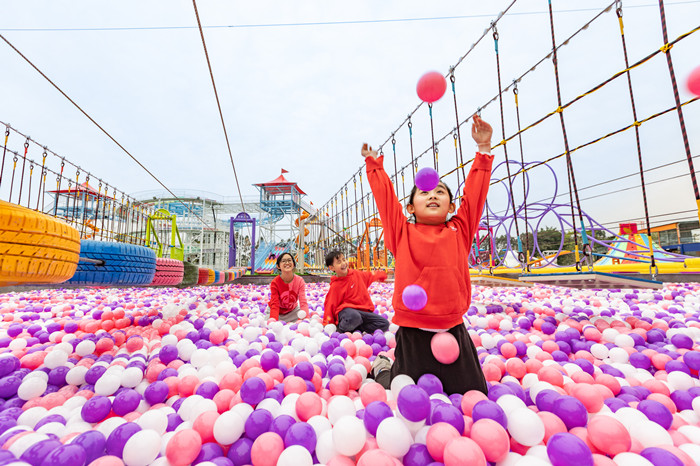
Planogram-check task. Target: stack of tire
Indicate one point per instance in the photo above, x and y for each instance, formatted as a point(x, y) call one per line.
point(121, 264)
point(203, 276)
point(35, 248)
point(190, 276)
point(169, 272)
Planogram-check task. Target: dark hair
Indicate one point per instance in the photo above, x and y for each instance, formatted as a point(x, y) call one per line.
point(332, 256)
point(279, 258)
point(415, 190)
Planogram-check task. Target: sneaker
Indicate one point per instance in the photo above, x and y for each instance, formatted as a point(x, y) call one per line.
point(381, 363)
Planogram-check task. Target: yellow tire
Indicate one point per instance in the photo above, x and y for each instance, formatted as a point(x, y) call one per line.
point(35, 248)
point(211, 277)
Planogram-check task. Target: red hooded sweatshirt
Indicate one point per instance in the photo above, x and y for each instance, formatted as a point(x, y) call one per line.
point(432, 256)
point(350, 291)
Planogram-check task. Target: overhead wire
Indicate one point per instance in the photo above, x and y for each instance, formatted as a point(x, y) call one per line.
point(98, 125)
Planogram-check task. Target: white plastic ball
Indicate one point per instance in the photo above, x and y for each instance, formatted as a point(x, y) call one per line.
point(349, 435)
point(394, 437)
point(142, 448)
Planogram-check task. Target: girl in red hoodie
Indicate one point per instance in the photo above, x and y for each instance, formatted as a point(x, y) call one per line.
point(432, 253)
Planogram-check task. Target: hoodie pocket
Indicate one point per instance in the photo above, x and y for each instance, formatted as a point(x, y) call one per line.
point(445, 289)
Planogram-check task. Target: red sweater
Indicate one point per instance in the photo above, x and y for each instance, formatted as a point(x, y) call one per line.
point(284, 297)
point(350, 291)
point(432, 256)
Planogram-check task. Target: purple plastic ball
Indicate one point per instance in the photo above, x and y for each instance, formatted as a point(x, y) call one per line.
point(656, 412)
point(427, 179)
point(157, 392)
point(414, 297)
point(490, 410)
point(430, 383)
point(374, 414)
point(96, 409)
point(413, 403)
point(253, 391)
point(564, 449)
point(257, 423)
point(571, 411)
point(302, 434)
point(118, 438)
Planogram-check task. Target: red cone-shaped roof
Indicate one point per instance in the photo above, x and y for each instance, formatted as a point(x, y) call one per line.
point(280, 185)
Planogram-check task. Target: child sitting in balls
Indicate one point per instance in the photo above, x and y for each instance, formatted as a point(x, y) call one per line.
point(287, 291)
point(347, 303)
point(432, 255)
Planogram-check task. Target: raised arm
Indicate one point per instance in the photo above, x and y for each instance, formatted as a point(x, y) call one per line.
point(388, 205)
point(476, 186)
point(371, 277)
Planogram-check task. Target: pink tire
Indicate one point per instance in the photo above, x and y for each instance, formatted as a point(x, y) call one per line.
point(169, 272)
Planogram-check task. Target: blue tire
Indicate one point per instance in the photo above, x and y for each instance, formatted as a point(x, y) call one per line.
point(124, 264)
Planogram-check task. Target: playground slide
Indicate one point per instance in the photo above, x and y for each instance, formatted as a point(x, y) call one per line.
point(630, 244)
point(268, 264)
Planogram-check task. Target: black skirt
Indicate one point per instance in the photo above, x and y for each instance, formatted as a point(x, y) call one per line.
point(414, 358)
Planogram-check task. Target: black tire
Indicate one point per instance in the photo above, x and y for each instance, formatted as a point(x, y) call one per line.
point(124, 264)
point(191, 275)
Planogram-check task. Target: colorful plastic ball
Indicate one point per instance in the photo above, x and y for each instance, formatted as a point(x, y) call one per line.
point(253, 391)
point(487, 409)
point(142, 448)
point(659, 456)
point(414, 297)
point(66, 455)
point(394, 437)
point(157, 392)
point(444, 347)
point(37, 452)
point(93, 442)
point(183, 447)
point(430, 383)
point(427, 179)
point(413, 403)
point(375, 413)
point(228, 428)
point(693, 82)
point(492, 438)
point(565, 449)
point(118, 438)
point(608, 435)
point(349, 435)
point(266, 449)
point(437, 438)
point(295, 455)
point(239, 452)
point(656, 412)
point(431, 86)
point(96, 409)
point(257, 423)
point(301, 433)
point(526, 427)
point(443, 412)
point(417, 455)
point(571, 411)
point(463, 451)
point(126, 401)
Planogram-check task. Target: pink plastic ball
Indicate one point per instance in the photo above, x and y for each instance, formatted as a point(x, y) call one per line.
point(372, 391)
point(431, 86)
point(463, 451)
point(609, 435)
point(445, 347)
point(266, 449)
point(439, 435)
point(694, 81)
point(308, 405)
point(492, 438)
point(183, 447)
point(414, 297)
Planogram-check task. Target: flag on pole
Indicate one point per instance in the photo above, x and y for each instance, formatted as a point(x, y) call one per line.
point(284, 171)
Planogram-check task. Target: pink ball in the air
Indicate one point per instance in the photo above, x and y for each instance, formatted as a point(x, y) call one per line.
point(431, 86)
point(445, 347)
point(427, 179)
point(414, 297)
point(694, 81)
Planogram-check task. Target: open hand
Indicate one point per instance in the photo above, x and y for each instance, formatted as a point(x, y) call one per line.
point(368, 152)
point(481, 132)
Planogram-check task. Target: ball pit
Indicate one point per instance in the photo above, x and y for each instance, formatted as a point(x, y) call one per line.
point(199, 376)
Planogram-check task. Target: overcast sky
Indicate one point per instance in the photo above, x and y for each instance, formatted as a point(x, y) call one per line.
point(305, 96)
